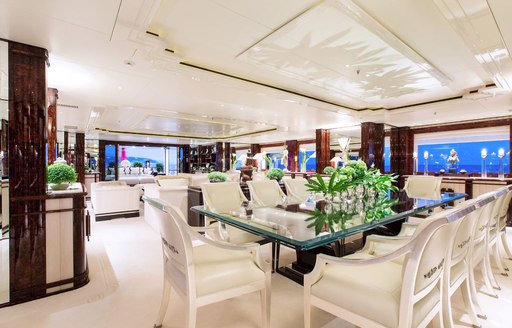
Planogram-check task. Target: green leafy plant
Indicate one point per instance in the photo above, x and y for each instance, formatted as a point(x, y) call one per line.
point(329, 170)
point(371, 187)
point(60, 173)
point(275, 174)
point(137, 164)
point(217, 176)
point(159, 167)
point(111, 164)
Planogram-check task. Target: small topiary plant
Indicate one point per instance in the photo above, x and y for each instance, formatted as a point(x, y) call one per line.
point(137, 164)
point(275, 174)
point(329, 170)
point(61, 173)
point(217, 176)
point(159, 167)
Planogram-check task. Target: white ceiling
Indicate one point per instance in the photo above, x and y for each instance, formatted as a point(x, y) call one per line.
point(287, 67)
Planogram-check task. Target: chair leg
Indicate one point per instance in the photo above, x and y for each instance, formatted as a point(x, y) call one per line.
point(447, 307)
point(474, 297)
point(191, 314)
point(307, 308)
point(164, 303)
point(505, 244)
point(265, 304)
point(485, 268)
point(497, 258)
point(468, 303)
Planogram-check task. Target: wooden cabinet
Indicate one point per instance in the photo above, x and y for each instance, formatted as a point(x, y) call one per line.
point(203, 159)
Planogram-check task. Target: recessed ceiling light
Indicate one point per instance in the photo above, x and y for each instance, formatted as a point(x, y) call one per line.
point(119, 87)
point(347, 65)
point(204, 115)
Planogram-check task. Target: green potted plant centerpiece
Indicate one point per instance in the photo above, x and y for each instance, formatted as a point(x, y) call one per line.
point(275, 174)
point(216, 176)
point(60, 175)
point(350, 191)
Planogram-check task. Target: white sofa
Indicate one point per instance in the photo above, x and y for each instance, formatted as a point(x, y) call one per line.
point(114, 199)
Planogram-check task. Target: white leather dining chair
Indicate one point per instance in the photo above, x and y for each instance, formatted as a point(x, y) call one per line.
point(426, 187)
point(266, 193)
point(225, 197)
point(203, 271)
point(378, 292)
point(296, 190)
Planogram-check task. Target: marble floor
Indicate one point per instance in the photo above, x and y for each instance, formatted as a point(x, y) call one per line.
point(125, 289)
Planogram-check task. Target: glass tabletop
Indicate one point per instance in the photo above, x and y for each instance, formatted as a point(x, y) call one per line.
point(290, 227)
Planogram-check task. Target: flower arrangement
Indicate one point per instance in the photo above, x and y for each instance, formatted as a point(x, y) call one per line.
point(356, 181)
point(216, 176)
point(275, 174)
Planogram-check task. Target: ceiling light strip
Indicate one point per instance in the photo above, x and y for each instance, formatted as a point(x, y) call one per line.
point(181, 136)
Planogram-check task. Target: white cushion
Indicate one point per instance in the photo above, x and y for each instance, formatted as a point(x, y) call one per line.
point(219, 269)
point(371, 291)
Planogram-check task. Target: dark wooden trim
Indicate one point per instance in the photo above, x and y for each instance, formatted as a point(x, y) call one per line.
point(306, 141)
point(293, 155)
point(372, 144)
point(117, 215)
point(271, 145)
point(461, 126)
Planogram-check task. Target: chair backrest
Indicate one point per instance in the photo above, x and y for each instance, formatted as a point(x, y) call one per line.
point(266, 193)
point(296, 190)
point(424, 267)
point(176, 245)
point(426, 187)
point(222, 197)
point(504, 207)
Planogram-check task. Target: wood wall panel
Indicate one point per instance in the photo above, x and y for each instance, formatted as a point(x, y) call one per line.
point(27, 170)
point(53, 95)
point(402, 148)
point(80, 156)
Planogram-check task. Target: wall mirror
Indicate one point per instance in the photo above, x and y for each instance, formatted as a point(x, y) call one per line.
point(4, 183)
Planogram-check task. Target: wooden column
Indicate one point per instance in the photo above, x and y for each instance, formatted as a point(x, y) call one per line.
point(227, 157)
point(372, 144)
point(101, 159)
point(53, 95)
point(323, 151)
point(293, 154)
point(4, 146)
point(80, 156)
point(27, 171)
point(223, 159)
point(65, 151)
point(402, 148)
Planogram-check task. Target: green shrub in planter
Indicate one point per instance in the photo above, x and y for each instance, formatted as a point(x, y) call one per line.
point(159, 167)
point(137, 164)
point(217, 176)
point(329, 170)
point(60, 173)
point(275, 174)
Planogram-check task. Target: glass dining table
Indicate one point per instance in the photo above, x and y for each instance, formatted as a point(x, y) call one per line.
point(287, 225)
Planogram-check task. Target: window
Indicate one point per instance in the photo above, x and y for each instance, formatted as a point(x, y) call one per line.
point(387, 154)
point(151, 159)
point(468, 145)
point(110, 162)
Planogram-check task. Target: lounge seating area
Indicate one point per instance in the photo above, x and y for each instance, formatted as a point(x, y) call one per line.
point(114, 199)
